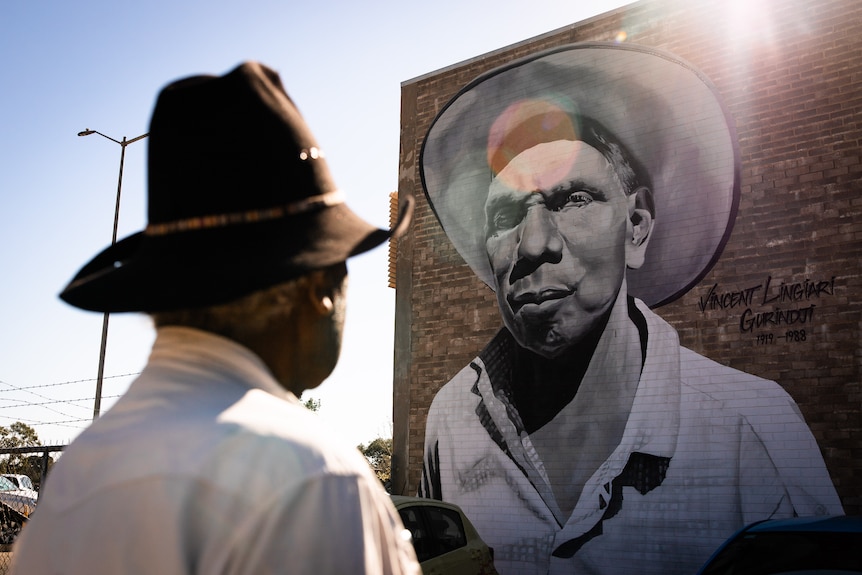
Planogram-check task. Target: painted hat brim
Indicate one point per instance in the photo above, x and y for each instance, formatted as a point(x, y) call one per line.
point(666, 112)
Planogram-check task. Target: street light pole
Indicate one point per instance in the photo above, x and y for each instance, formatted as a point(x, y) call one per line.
point(104, 344)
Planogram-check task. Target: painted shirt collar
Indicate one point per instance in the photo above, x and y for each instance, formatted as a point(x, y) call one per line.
point(651, 429)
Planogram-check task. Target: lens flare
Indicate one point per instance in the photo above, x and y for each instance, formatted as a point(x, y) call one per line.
point(527, 123)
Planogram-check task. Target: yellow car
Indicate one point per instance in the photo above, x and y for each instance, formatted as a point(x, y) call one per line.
point(445, 541)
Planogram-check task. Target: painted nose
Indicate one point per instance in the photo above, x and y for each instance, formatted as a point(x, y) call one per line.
point(540, 240)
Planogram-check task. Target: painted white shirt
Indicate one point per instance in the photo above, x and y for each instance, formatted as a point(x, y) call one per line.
point(706, 450)
point(207, 466)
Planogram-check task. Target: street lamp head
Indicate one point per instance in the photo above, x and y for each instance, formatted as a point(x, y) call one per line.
point(87, 132)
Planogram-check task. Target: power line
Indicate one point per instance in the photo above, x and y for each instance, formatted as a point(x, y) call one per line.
point(73, 422)
point(69, 401)
point(26, 387)
point(27, 390)
point(60, 423)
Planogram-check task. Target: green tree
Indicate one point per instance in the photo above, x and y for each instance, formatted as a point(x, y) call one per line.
point(312, 404)
point(18, 435)
point(379, 456)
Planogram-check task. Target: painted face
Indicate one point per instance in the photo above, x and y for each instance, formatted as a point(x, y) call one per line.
point(556, 226)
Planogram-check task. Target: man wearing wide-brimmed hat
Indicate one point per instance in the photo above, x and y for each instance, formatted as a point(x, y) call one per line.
point(209, 463)
point(585, 185)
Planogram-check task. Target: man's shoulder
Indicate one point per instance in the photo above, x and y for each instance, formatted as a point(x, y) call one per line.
point(254, 445)
point(713, 384)
point(709, 380)
point(279, 430)
point(700, 371)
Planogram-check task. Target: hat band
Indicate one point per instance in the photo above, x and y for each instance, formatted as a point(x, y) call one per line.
point(254, 216)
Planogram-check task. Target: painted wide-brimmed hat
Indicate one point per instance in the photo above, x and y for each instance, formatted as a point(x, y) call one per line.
point(663, 110)
point(240, 198)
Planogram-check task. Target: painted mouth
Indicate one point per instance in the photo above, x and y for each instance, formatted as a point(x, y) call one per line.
point(518, 301)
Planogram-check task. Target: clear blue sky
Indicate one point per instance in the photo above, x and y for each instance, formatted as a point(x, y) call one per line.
point(99, 64)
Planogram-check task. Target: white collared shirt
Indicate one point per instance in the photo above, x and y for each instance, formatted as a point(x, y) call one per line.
point(706, 449)
point(207, 466)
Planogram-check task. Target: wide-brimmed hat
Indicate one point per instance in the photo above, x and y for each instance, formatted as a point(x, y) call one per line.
point(662, 109)
point(240, 198)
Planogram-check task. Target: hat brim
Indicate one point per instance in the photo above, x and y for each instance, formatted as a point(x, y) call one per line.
point(149, 273)
point(664, 110)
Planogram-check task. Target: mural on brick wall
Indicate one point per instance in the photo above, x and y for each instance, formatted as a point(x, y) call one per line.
point(586, 186)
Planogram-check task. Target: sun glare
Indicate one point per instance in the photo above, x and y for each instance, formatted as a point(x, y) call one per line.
point(748, 22)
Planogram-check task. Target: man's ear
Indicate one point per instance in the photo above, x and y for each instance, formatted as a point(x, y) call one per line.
point(326, 287)
point(640, 224)
point(320, 292)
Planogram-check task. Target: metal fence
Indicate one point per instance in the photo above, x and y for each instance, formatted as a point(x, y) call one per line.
point(22, 474)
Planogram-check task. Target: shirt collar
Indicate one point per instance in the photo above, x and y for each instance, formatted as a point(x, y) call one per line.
point(654, 421)
point(207, 356)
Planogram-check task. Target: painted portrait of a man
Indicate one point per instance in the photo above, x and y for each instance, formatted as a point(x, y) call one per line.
point(587, 186)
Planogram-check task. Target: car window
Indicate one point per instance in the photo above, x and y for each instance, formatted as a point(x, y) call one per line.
point(21, 481)
point(6, 485)
point(447, 529)
point(435, 530)
point(423, 542)
point(770, 553)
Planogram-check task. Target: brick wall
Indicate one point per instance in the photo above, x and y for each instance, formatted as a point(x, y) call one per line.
point(791, 77)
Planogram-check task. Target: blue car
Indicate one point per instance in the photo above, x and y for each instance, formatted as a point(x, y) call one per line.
point(799, 546)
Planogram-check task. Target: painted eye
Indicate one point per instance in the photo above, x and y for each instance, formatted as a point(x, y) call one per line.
point(577, 199)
